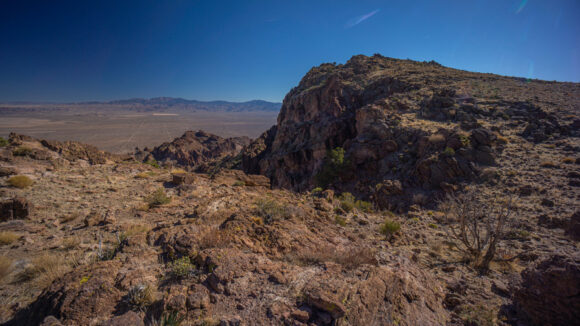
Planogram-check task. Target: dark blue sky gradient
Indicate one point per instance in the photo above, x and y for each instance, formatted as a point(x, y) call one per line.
point(242, 50)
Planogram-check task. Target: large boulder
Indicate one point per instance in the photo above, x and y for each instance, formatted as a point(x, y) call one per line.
point(550, 292)
point(14, 208)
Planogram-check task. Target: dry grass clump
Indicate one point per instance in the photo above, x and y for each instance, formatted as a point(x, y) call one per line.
point(22, 151)
point(271, 210)
point(568, 160)
point(69, 243)
point(20, 181)
point(350, 258)
point(390, 227)
point(46, 267)
point(181, 268)
point(215, 238)
point(548, 164)
point(7, 237)
point(136, 229)
point(5, 267)
point(144, 175)
point(69, 217)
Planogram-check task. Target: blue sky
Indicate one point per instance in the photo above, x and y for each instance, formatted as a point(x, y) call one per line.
point(243, 50)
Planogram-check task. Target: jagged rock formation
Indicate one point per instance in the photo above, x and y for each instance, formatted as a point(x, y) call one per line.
point(195, 148)
point(418, 124)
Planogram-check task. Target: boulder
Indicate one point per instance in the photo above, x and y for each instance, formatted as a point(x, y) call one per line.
point(14, 208)
point(549, 293)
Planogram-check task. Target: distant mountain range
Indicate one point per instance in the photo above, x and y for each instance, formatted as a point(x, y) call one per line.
point(157, 103)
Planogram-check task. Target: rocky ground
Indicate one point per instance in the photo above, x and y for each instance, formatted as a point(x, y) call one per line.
point(100, 239)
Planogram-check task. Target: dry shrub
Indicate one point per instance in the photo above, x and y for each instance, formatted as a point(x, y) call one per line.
point(548, 164)
point(349, 258)
point(158, 198)
point(20, 181)
point(140, 297)
point(136, 229)
point(7, 237)
point(477, 225)
point(215, 238)
point(436, 138)
point(69, 243)
point(568, 160)
point(5, 267)
point(69, 217)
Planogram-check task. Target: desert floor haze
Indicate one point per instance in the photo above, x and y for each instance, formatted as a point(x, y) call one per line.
point(387, 192)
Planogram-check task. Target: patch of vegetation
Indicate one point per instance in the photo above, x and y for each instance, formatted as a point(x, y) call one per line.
point(239, 183)
point(348, 203)
point(479, 315)
point(389, 228)
point(71, 242)
point(144, 175)
point(140, 297)
point(172, 318)
point(548, 164)
point(215, 238)
point(20, 181)
point(5, 266)
point(69, 217)
point(465, 141)
point(349, 258)
point(433, 226)
point(153, 162)
point(271, 211)
point(3, 142)
point(316, 191)
point(448, 152)
point(340, 220)
point(22, 151)
point(363, 206)
point(48, 266)
point(334, 165)
point(181, 268)
point(157, 198)
point(8, 237)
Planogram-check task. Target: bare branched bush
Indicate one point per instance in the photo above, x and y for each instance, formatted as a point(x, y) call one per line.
point(477, 225)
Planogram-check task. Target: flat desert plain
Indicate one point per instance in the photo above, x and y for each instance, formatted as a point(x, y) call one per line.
point(121, 130)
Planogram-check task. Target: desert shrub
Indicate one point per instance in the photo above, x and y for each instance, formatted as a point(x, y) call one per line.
point(181, 268)
point(347, 201)
point(271, 211)
point(479, 315)
point(548, 164)
point(476, 225)
point(350, 258)
point(316, 191)
point(568, 160)
point(171, 318)
point(363, 206)
point(136, 229)
point(71, 242)
point(239, 184)
point(215, 238)
point(465, 141)
point(153, 162)
point(436, 138)
point(111, 252)
point(7, 237)
point(448, 151)
point(20, 181)
point(390, 227)
point(339, 220)
point(139, 297)
point(5, 266)
point(158, 198)
point(143, 175)
point(3, 142)
point(22, 151)
point(334, 165)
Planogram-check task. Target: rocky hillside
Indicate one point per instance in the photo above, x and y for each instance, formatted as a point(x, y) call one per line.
point(400, 152)
point(194, 149)
point(409, 127)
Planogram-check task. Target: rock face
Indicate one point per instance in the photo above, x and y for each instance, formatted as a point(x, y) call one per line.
point(550, 292)
point(197, 147)
point(371, 107)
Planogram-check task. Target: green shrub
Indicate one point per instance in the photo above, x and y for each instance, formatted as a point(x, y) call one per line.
point(22, 151)
point(3, 142)
point(316, 191)
point(449, 151)
point(334, 165)
point(389, 228)
point(346, 201)
point(153, 162)
point(465, 142)
point(340, 220)
point(363, 206)
point(20, 181)
point(158, 198)
point(181, 268)
point(172, 318)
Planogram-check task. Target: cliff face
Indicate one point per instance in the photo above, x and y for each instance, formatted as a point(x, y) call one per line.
point(403, 124)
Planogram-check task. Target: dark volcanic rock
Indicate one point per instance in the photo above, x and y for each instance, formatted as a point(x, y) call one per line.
point(14, 208)
point(194, 148)
point(550, 292)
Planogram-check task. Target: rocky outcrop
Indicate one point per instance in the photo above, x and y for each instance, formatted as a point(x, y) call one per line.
point(550, 292)
point(13, 208)
point(195, 148)
point(361, 107)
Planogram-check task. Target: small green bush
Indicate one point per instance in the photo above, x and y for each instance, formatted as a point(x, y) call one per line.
point(3, 142)
point(316, 191)
point(346, 201)
point(153, 162)
point(172, 318)
point(334, 165)
point(22, 151)
point(389, 228)
point(363, 206)
point(449, 151)
point(20, 181)
point(465, 142)
point(158, 198)
point(181, 268)
point(340, 220)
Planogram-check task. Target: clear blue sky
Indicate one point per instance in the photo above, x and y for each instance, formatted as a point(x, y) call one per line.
point(241, 50)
